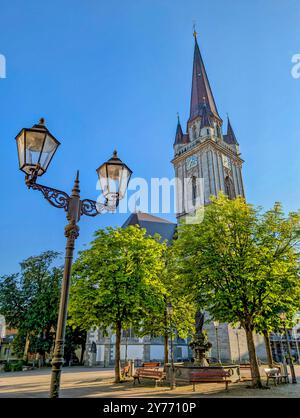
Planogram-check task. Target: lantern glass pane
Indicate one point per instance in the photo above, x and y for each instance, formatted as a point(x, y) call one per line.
point(125, 176)
point(102, 174)
point(34, 145)
point(48, 150)
point(21, 149)
point(114, 174)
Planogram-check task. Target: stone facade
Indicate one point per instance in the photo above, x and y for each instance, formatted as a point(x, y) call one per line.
point(138, 349)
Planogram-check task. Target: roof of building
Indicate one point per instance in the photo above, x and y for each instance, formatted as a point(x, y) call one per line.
point(230, 137)
point(201, 90)
point(152, 224)
point(179, 134)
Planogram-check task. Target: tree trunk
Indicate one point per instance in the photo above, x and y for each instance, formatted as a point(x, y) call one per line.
point(118, 350)
point(26, 349)
point(166, 344)
point(256, 380)
point(268, 348)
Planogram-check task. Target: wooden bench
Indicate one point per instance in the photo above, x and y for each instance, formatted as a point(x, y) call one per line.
point(147, 373)
point(151, 365)
point(283, 372)
point(277, 375)
point(125, 371)
point(273, 374)
point(210, 376)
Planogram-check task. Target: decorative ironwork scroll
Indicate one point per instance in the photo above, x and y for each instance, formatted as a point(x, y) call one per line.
point(55, 197)
point(90, 207)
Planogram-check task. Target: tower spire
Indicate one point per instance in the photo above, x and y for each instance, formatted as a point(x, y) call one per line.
point(230, 137)
point(179, 133)
point(201, 90)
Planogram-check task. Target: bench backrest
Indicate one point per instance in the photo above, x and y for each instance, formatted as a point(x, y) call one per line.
point(151, 364)
point(272, 372)
point(210, 374)
point(149, 373)
point(245, 366)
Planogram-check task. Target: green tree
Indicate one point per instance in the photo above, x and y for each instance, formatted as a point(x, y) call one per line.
point(29, 302)
point(239, 263)
point(75, 337)
point(116, 282)
point(182, 321)
point(281, 236)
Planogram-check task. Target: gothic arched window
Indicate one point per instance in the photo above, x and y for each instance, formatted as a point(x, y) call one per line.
point(229, 188)
point(194, 190)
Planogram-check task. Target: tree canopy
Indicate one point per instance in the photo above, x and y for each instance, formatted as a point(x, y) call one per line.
point(116, 282)
point(241, 265)
point(29, 301)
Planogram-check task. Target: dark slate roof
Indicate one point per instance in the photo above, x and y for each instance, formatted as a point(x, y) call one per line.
point(201, 89)
point(178, 135)
point(152, 224)
point(230, 138)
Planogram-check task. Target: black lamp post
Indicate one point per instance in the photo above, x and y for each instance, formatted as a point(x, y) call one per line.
point(170, 314)
point(36, 148)
point(216, 325)
point(282, 316)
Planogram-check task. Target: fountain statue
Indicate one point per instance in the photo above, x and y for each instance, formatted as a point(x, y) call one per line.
point(200, 344)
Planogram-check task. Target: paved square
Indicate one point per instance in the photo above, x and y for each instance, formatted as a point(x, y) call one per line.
point(80, 382)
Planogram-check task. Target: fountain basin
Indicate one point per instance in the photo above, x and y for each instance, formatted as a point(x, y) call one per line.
point(183, 371)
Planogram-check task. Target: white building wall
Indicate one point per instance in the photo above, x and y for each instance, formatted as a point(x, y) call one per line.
point(134, 351)
point(100, 353)
point(157, 352)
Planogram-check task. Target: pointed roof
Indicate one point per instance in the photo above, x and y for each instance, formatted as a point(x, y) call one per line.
point(179, 133)
point(230, 137)
point(152, 224)
point(201, 89)
point(180, 137)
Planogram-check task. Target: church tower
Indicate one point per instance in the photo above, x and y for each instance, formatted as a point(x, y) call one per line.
point(206, 161)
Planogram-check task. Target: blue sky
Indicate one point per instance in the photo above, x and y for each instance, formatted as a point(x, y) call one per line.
point(114, 74)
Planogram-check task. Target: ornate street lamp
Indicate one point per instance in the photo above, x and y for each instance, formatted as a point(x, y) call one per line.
point(216, 325)
point(283, 317)
point(170, 316)
point(114, 177)
point(36, 148)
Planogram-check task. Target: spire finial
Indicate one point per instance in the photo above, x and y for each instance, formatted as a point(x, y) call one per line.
point(178, 120)
point(194, 33)
point(76, 189)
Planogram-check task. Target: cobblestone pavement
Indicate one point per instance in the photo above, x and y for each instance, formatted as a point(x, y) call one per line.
point(81, 382)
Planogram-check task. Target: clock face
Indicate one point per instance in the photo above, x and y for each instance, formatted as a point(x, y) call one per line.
point(191, 162)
